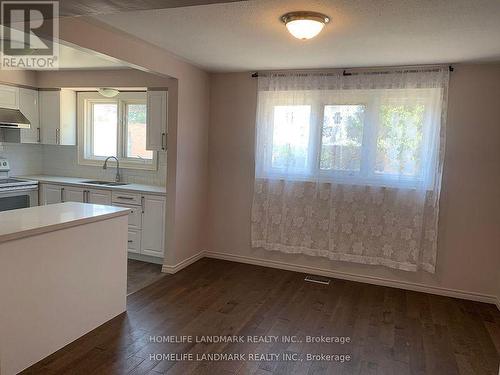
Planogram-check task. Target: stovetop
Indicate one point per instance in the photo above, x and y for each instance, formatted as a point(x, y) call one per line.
point(9, 184)
point(11, 180)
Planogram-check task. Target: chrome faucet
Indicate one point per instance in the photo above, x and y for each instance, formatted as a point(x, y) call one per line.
point(105, 166)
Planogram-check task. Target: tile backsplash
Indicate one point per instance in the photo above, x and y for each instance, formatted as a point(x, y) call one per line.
point(24, 159)
point(54, 160)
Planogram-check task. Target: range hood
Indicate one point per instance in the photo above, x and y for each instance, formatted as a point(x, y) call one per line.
point(13, 119)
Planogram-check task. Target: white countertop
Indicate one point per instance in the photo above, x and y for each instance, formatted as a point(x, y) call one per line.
point(31, 221)
point(77, 181)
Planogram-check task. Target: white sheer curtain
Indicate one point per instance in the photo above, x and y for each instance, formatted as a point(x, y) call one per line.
point(349, 167)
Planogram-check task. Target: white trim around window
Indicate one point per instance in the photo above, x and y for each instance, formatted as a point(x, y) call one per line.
point(87, 154)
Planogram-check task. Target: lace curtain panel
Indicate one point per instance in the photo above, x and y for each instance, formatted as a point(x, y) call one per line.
point(349, 167)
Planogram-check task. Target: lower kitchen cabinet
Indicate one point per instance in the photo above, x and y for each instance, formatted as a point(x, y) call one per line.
point(146, 222)
point(51, 193)
point(99, 196)
point(134, 241)
point(146, 234)
point(153, 225)
point(73, 194)
point(134, 217)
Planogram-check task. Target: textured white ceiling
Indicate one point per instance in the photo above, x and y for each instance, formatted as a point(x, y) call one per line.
point(249, 36)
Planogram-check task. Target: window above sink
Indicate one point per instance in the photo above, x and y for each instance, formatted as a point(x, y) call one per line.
point(114, 127)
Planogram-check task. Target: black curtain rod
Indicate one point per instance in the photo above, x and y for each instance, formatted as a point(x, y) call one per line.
point(346, 73)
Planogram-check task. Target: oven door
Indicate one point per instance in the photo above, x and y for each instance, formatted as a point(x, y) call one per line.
point(12, 200)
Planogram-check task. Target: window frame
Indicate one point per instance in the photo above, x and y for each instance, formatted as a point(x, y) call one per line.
point(85, 99)
point(367, 174)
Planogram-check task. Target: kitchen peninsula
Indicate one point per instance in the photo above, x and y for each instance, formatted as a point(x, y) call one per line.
point(63, 272)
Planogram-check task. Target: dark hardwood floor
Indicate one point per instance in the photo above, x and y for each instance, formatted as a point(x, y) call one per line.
point(391, 331)
point(141, 274)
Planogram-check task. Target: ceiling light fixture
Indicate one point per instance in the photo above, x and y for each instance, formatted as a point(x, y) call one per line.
point(305, 25)
point(107, 92)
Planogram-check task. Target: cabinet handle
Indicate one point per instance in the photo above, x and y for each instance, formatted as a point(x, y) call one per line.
point(58, 137)
point(86, 196)
point(130, 241)
point(62, 195)
point(128, 198)
point(142, 204)
point(163, 141)
point(39, 138)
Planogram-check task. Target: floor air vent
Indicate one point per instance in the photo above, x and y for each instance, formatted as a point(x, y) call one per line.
point(317, 279)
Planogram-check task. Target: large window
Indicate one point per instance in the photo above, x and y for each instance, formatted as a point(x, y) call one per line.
point(114, 127)
point(381, 137)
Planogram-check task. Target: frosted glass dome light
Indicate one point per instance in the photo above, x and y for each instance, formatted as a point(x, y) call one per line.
point(305, 25)
point(108, 92)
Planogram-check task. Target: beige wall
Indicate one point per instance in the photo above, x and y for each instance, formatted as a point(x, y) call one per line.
point(469, 231)
point(102, 78)
point(18, 77)
point(187, 172)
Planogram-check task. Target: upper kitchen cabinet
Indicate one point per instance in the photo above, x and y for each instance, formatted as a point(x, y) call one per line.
point(58, 117)
point(9, 97)
point(156, 117)
point(28, 105)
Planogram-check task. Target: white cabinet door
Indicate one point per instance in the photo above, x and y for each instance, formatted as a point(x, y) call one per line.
point(49, 117)
point(67, 115)
point(28, 105)
point(134, 241)
point(156, 119)
point(50, 194)
point(153, 225)
point(99, 197)
point(58, 117)
point(9, 97)
point(134, 217)
point(73, 194)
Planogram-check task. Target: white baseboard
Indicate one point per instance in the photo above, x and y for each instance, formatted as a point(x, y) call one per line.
point(417, 287)
point(359, 278)
point(179, 266)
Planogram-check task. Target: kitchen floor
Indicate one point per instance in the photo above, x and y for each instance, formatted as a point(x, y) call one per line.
point(390, 331)
point(141, 274)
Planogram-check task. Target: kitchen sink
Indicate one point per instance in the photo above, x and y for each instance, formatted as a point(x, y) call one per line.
point(107, 183)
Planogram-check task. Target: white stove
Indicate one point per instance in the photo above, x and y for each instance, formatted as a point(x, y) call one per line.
point(16, 193)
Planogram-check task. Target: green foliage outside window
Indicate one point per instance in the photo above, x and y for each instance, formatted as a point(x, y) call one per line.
point(399, 139)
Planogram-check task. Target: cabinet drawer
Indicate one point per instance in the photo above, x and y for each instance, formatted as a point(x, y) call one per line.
point(126, 198)
point(134, 217)
point(134, 241)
